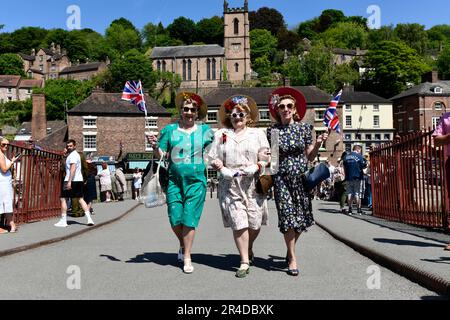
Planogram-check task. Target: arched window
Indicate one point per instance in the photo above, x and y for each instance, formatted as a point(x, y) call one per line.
point(236, 67)
point(189, 69)
point(236, 26)
point(208, 69)
point(158, 65)
point(164, 66)
point(184, 70)
point(213, 69)
point(438, 105)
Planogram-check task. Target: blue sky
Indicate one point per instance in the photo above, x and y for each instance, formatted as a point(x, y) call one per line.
point(98, 14)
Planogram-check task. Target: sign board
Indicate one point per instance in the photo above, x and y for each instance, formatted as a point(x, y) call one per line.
point(139, 156)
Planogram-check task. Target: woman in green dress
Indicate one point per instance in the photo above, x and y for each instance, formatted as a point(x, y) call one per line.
point(183, 144)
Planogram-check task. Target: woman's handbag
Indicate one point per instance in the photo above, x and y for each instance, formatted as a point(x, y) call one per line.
point(264, 183)
point(315, 176)
point(152, 194)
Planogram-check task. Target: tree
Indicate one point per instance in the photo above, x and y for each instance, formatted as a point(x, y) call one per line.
point(439, 36)
point(267, 18)
point(385, 33)
point(328, 18)
point(27, 38)
point(167, 82)
point(263, 67)
point(293, 70)
point(11, 64)
point(122, 39)
point(126, 24)
point(345, 74)
point(391, 67)
point(317, 66)
point(346, 35)
point(443, 63)
point(414, 35)
point(288, 40)
point(210, 31)
point(182, 29)
point(133, 65)
point(307, 29)
point(56, 36)
point(262, 44)
point(58, 92)
point(15, 112)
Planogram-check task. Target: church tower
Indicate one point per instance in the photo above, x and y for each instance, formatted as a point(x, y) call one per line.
point(237, 42)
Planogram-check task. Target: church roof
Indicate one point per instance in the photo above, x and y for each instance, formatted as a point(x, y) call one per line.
point(187, 51)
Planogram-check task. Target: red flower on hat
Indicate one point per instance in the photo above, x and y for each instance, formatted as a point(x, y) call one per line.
point(194, 97)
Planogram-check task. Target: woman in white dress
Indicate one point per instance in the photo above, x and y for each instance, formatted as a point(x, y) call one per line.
point(240, 153)
point(105, 181)
point(137, 183)
point(6, 187)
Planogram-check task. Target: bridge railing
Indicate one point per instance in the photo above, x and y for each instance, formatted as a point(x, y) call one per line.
point(37, 183)
point(408, 181)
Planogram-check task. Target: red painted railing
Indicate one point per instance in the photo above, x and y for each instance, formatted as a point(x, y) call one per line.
point(408, 181)
point(37, 183)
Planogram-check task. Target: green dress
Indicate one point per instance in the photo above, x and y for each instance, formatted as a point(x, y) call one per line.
point(186, 191)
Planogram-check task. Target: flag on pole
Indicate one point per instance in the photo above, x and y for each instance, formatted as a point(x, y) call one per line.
point(331, 119)
point(134, 93)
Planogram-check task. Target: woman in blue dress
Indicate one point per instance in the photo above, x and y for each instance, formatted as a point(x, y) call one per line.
point(183, 144)
point(295, 149)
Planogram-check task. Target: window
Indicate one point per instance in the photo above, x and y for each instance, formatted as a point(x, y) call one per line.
point(410, 124)
point(348, 147)
point(164, 66)
point(29, 91)
point(9, 90)
point(264, 115)
point(438, 105)
point(358, 136)
point(158, 65)
point(376, 107)
point(208, 69)
point(211, 116)
point(320, 114)
point(213, 69)
point(89, 122)
point(368, 145)
point(435, 121)
point(236, 26)
point(400, 125)
point(189, 69)
point(376, 121)
point(212, 174)
point(90, 142)
point(368, 136)
point(41, 67)
point(377, 136)
point(387, 136)
point(348, 107)
point(184, 70)
point(41, 58)
point(437, 90)
point(9, 98)
point(348, 121)
point(53, 68)
point(236, 67)
point(151, 123)
point(348, 137)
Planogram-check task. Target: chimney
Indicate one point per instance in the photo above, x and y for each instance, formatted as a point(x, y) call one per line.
point(38, 119)
point(434, 76)
point(287, 82)
point(348, 88)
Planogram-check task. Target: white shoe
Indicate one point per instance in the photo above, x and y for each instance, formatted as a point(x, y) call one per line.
point(62, 223)
point(90, 222)
point(188, 267)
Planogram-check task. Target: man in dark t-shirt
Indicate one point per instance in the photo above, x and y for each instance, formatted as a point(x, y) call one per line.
point(354, 163)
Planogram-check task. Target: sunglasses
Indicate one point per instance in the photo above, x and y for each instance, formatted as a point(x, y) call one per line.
point(5, 144)
point(290, 106)
point(241, 115)
point(187, 109)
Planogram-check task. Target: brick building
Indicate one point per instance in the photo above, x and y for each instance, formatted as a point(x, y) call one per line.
point(16, 88)
point(421, 106)
point(83, 71)
point(103, 120)
point(317, 102)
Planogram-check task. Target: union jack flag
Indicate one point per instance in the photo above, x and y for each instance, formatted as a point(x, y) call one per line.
point(134, 93)
point(331, 119)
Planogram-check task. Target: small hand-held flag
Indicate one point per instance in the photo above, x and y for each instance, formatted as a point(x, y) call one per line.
point(134, 93)
point(331, 119)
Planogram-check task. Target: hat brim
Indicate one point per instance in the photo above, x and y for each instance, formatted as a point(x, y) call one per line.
point(203, 108)
point(300, 101)
point(254, 112)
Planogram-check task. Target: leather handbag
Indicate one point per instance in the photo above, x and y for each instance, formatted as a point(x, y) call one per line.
point(315, 176)
point(264, 183)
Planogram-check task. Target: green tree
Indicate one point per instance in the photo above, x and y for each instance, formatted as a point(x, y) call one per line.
point(56, 36)
point(328, 18)
point(267, 18)
point(133, 65)
point(414, 35)
point(439, 36)
point(58, 92)
point(263, 67)
point(263, 44)
point(27, 38)
point(210, 31)
point(293, 69)
point(11, 64)
point(346, 35)
point(443, 63)
point(307, 29)
point(391, 67)
point(345, 74)
point(288, 40)
point(317, 66)
point(168, 82)
point(385, 33)
point(182, 29)
point(121, 38)
point(15, 112)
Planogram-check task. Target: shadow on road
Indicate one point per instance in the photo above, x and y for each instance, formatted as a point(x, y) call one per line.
point(334, 211)
point(407, 242)
point(440, 260)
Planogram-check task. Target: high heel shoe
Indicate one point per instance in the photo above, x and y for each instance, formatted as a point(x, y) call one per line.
point(188, 267)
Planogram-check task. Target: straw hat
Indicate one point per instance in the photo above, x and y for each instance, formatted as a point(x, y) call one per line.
point(278, 94)
point(187, 96)
point(232, 102)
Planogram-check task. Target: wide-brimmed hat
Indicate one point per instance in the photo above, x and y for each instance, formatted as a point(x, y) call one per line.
point(275, 98)
point(233, 101)
point(185, 96)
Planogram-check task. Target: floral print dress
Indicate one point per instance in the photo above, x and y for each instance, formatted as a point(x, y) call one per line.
point(292, 201)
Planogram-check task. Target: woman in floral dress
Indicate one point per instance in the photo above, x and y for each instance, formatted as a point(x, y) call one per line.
point(295, 149)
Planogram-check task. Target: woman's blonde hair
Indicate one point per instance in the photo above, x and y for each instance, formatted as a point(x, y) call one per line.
point(296, 117)
point(227, 122)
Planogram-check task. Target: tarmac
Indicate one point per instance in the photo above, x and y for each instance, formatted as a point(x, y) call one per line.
point(413, 252)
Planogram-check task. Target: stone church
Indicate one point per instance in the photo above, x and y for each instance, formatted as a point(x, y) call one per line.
point(210, 66)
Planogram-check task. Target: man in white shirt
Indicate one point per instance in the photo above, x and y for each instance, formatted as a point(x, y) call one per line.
point(73, 185)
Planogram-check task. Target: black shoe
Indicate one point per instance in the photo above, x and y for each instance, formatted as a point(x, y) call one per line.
point(350, 212)
point(359, 211)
